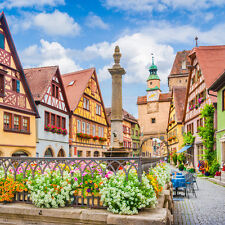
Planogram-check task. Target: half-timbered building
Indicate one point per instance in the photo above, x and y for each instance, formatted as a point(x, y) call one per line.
point(50, 98)
point(17, 107)
point(207, 63)
point(88, 123)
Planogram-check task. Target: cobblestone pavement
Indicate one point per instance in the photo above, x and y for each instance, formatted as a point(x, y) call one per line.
point(207, 209)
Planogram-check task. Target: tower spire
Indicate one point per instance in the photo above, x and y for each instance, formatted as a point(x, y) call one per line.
point(152, 58)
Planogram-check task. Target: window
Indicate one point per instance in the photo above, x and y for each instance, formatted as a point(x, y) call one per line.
point(53, 119)
point(136, 132)
point(7, 120)
point(58, 121)
point(190, 128)
point(99, 131)
point(16, 85)
point(83, 127)
point(223, 100)
point(102, 132)
point(88, 128)
point(57, 92)
point(17, 122)
point(98, 109)
point(47, 114)
point(78, 126)
point(13, 84)
point(88, 153)
point(53, 90)
point(86, 104)
point(79, 153)
point(184, 65)
point(2, 41)
point(63, 123)
point(93, 130)
point(2, 85)
point(25, 124)
point(153, 120)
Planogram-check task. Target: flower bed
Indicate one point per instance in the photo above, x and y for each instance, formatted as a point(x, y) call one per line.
point(120, 192)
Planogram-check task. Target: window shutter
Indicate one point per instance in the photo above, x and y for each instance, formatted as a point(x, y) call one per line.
point(17, 86)
point(2, 41)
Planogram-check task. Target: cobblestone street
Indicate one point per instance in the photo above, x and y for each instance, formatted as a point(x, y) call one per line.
point(207, 209)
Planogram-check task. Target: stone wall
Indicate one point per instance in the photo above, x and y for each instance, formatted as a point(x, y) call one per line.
point(21, 214)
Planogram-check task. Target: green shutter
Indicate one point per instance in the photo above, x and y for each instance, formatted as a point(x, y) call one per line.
point(2, 41)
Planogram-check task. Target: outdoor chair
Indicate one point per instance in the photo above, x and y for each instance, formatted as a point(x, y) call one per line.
point(189, 178)
point(195, 180)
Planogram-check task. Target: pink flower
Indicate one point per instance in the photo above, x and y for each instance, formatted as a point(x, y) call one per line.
point(75, 179)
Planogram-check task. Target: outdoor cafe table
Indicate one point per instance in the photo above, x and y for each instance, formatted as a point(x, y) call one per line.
point(178, 182)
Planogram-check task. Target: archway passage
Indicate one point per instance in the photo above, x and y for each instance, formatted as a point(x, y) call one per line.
point(61, 153)
point(20, 154)
point(49, 153)
point(96, 154)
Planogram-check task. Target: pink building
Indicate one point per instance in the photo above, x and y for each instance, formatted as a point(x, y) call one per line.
point(207, 63)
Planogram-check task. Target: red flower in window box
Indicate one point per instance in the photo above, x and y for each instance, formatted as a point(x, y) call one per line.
point(96, 138)
point(102, 139)
point(64, 131)
point(48, 127)
point(54, 129)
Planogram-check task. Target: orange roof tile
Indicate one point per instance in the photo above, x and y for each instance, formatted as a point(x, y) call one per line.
point(177, 64)
point(211, 61)
point(142, 100)
point(39, 80)
point(179, 101)
point(75, 83)
point(165, 97)
point(126, 116)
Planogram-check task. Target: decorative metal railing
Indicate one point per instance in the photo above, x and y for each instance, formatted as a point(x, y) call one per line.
point(29, 166)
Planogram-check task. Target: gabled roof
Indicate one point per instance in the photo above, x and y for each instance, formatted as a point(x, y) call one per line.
point(17, 62)
point(40, 78)
point(75, 83)
point(177, 64)
point(218, 83)
point(126, 116)
point(179, 103)
point(163, 97)
point(211, 61)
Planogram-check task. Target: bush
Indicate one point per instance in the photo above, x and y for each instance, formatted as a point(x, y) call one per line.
point(181, 167)
point(181, 158)
point(174, 158)
point(214, 167)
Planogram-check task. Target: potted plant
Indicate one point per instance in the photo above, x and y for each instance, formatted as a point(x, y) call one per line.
point(181, 167)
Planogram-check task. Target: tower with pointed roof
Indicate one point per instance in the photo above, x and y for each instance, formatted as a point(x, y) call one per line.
point(153, 83)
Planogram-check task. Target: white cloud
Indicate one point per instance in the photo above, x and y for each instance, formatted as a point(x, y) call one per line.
point(160, 5)
point(49, 54)
point(56, 23)
point(30, 3)
point(95, 21)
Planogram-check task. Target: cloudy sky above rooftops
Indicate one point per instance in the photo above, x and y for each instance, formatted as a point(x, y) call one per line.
point(78, 34)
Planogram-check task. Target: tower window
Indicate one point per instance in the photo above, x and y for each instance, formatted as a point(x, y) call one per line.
point(153, 120)
point(184, 65)
point(150, 83)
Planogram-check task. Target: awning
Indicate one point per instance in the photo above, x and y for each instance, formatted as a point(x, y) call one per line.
point(185, 148)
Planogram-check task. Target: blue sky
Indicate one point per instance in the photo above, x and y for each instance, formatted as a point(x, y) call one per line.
point(78, 34)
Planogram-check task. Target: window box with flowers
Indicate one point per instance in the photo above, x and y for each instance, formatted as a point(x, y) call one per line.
point(85, 136)
point(54, 129)
point(102, 139)
point(96, 138)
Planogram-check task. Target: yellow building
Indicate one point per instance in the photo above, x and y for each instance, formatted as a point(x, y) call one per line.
point(88, 122)
point(175, 127)
point(17, 107)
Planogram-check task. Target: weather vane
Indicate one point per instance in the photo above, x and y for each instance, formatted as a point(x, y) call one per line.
point(196, 40)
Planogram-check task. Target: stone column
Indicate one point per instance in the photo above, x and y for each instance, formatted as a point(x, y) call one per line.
point(116, 113)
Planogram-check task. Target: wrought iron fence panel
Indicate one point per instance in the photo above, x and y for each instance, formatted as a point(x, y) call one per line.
point(31, 166)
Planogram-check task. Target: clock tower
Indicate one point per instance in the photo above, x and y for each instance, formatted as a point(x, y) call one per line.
point(153, 83)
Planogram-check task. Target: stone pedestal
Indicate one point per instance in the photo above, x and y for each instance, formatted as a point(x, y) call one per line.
point(116, 147)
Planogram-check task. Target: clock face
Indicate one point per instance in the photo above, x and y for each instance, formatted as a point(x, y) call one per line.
point(153, 96)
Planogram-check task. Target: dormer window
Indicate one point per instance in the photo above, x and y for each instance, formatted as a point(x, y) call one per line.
point(2, 41)
point(184, 67)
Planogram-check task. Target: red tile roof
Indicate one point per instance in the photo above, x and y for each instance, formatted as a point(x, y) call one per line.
point(177, 65)
point(126, 116)
point(142, 100)
point(163, 97)
point(179, 94)
point(211, 61)
point(39, 80)
point(79, 81)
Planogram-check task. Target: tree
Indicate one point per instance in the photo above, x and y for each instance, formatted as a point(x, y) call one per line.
point(207, 133)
